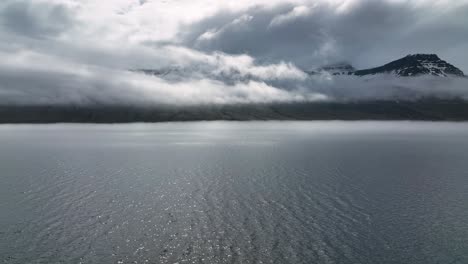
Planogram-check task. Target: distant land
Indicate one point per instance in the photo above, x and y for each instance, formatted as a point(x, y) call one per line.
point(428, 108)
point(409, 66)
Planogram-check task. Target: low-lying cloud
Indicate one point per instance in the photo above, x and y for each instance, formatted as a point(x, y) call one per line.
point(218, 79)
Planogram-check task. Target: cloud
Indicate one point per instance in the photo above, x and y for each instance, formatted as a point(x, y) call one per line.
point(239, 24)
point(294, 14)
point(26, 82)
point(242, 66)
point(35, 19)
point(364, 32)
point(388, 87)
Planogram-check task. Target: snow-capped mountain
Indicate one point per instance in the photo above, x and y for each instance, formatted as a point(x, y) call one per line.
point(415, 65)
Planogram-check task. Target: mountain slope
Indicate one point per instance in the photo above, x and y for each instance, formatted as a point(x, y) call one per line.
point(415, 65)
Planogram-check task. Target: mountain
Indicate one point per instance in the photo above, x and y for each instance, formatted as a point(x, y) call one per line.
point(415, 65)
point(411, 65)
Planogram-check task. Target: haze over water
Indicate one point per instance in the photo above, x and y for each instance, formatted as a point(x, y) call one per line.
point(231, 192)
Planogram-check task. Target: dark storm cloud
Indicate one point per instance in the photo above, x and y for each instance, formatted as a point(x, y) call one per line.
point(34, 19)
point(367, 33)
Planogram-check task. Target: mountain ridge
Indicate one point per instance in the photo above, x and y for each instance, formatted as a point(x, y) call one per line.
point(411, 65)
point(408, 66)
point(415, 65)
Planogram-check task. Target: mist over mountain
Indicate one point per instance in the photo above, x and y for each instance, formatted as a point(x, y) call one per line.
point(419, 87)
point(409, 78)
point(417, 65)
point(148, 55)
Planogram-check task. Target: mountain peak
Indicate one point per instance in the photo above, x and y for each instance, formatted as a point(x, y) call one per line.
point(420, 56)
point(415, 65)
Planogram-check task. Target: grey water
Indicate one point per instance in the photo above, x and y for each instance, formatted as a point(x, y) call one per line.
point(233, 192)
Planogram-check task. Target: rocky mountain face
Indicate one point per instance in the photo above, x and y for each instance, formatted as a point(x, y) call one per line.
point(415, 65)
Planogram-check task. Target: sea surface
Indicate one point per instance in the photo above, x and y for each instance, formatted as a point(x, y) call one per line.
point(235, 192)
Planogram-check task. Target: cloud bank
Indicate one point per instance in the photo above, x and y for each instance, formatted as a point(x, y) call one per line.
point(84, 51)
point(364, 32)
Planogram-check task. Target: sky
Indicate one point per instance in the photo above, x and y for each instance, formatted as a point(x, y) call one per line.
point(82, 51)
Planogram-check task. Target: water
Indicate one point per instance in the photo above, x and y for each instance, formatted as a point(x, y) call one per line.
point(219, 192)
